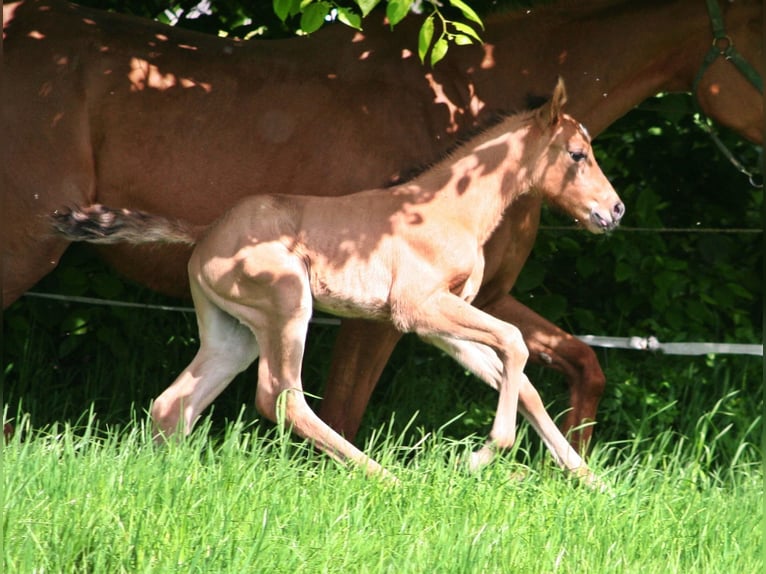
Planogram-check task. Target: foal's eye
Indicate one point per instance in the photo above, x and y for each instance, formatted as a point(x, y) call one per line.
point(577, 155)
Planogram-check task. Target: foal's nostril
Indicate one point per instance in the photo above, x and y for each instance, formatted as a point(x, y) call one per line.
point(618, 210)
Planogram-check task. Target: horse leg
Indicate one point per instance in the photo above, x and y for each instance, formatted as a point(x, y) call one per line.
point(29, 250)
point(485, 364)
point(226, 349)
point(26, 260)
point(448, 316)
point(280, 397)
point(278, 311)
point(360, 353)
point(532, 408)
point(551, 346)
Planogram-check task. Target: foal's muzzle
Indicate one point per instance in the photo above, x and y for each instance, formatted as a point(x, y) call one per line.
point(607, 221)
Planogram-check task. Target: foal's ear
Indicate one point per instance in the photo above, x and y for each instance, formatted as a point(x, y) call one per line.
point(550, 114)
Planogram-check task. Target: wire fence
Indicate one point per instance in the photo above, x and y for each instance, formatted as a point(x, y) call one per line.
point(700, 230)
point(635, 343)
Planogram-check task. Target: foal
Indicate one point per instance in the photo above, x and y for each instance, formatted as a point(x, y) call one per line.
point(411, 255)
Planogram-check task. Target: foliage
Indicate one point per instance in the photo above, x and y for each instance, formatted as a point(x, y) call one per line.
point(437, 32)
point(454, 21)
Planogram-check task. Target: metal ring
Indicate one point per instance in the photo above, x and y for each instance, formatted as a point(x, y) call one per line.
point(726, 40)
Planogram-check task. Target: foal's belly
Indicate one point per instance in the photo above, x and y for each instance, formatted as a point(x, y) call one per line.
point(354, 309)
point(352, 297)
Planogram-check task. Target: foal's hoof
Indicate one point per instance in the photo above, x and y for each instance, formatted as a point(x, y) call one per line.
point(592, 481)
point(374, 470)
point(389, 479)
point(480, 458)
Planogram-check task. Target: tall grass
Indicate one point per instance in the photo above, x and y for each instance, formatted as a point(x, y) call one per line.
point(82, 498)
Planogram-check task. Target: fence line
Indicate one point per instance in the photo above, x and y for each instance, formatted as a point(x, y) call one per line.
point(634, 343)
point(700, 230)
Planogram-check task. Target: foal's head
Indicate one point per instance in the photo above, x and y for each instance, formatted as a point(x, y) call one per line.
point(566, 172)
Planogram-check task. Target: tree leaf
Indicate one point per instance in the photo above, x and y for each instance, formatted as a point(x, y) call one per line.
point(623, 271)
point(350, 18)
point(425, 36)
point(462, 39)
point(281, 8)
point(286, 8)
point(396, 10)
point(531, 276)
point(439, 50)
point(466, 30)
point(313, 16)
point(366, 6)
point(467, 11)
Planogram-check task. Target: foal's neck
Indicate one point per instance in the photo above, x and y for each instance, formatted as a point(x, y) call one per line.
point(480, 179)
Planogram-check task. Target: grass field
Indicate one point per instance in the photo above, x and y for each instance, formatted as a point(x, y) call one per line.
point(79, 498)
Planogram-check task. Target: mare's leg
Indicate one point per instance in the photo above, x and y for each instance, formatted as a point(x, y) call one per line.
point(26, 260)
point(40, 182)
point(226, 349)
point(360, 353)
point(485, 364)
point(550, 346)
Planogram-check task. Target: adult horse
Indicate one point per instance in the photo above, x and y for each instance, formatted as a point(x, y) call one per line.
point(99, 107)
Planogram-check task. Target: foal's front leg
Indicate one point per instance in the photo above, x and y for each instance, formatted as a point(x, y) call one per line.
point(551, 346)
point(485, 364)
point(446, 316)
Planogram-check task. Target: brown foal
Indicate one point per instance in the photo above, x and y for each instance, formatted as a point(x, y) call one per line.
point(411, 255)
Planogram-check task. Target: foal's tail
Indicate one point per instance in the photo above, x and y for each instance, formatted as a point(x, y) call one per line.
point(100, 224)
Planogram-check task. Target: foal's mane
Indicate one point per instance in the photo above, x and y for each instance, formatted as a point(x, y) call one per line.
point(485, 125)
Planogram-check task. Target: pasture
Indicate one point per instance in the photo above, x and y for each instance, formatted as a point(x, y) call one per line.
point(85, 489)
point(84, 498)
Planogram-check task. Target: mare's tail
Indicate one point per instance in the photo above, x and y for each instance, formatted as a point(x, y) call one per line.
point(100, 224)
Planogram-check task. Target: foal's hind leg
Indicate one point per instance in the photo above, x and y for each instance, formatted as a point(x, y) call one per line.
point(280, 396)
point(280, 318)
point(226, 349)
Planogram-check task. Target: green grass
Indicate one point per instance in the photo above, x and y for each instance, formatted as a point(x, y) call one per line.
point(80, 498)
